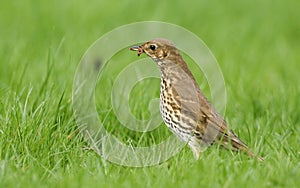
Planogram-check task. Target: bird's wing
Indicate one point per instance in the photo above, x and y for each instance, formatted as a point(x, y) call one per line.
point(216, 126)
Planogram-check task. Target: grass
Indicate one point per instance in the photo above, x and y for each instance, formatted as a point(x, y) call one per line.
point(255, 43)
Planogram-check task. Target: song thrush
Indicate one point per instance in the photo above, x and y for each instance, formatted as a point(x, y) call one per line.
point(184, 108)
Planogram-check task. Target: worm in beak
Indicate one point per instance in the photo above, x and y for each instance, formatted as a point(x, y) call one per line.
point(137, 48)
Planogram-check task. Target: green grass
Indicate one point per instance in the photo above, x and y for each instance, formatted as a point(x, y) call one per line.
point(255, 43)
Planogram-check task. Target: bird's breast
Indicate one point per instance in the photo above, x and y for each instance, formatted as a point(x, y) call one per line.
point(172, 113)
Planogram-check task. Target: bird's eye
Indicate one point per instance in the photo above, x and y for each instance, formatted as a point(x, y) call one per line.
point(152, 47)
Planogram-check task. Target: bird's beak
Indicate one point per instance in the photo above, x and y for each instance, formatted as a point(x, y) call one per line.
point(137, 48)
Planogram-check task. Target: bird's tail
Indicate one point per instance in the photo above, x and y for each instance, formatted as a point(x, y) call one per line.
point(239, 145)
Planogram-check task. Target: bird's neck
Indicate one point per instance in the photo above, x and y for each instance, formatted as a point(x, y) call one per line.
point(175, 69)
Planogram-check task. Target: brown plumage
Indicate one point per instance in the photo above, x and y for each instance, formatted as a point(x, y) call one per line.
point(184, 108)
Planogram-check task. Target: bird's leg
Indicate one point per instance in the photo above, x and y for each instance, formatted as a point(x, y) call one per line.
point(195, 149)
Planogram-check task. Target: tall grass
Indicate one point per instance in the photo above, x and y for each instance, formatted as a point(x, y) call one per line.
point(256, 44)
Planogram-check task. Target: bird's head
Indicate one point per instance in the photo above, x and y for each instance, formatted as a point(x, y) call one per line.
point(157, 49)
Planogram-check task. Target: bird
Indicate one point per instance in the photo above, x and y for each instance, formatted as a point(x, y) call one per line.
point(184, 108)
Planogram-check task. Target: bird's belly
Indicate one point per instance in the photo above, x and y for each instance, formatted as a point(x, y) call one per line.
point(174, 121)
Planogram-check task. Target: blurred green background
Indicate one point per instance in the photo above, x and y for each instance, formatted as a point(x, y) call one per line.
point(256, 43)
